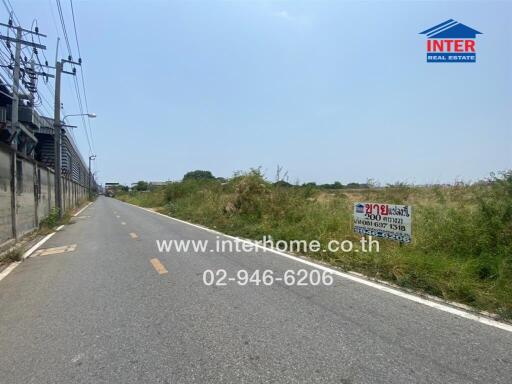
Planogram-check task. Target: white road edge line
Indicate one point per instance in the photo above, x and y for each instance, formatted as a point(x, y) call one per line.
point(39, 243)
point(27, 254)
point(9, 269)
point(12, 266)
point(83, 209)
point(393, 291)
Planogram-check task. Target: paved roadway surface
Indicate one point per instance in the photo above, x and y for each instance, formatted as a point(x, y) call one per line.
point(102, 314)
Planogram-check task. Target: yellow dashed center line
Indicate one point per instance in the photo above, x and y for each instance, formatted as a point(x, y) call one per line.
point(134, 235)
point(158, 266)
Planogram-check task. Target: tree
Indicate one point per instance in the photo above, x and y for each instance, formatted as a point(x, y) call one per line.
point(141, 186)
point(283, 183)
point(372, 183)
point(198, 175)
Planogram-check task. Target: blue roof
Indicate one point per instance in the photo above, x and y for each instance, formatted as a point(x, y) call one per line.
point(451, 29)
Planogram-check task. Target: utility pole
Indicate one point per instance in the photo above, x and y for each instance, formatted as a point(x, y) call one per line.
point(15, 86)
point(14, 125)
point(57, 140)
point(92, 157)
point(18, 40)
point(57, 128)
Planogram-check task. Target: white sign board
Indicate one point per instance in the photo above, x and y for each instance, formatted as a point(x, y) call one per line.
point(389, 221)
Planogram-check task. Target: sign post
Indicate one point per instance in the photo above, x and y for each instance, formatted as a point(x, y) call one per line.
point(387, 221)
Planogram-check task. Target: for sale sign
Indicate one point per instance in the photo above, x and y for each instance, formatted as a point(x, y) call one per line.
point(388, 221)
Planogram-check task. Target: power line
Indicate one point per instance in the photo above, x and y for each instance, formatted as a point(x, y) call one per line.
point(63, 24)
point(74, 27)
point(25, 68)
point(68, 45)
point(8, 6)
point(80, 105)
point(50, 3)
point(81, 72)
point(77, 87)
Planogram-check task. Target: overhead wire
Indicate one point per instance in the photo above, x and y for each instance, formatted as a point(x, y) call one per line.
point(63, 24)
point(82, 73)
point(24, 64)
point(77, 88)
point(39, 100)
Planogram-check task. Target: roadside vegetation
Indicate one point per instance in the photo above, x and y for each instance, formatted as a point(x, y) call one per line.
point(11, 256)
point(462, 233)
point(52, 221)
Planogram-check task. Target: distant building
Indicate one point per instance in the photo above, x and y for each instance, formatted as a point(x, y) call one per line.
point(110, 188)
point(158, 183)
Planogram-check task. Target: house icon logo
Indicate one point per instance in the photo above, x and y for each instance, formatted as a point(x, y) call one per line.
point(360, 208)
point(451, 42)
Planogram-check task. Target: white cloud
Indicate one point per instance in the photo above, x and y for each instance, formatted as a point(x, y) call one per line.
point(295, 19)
point(284, 15)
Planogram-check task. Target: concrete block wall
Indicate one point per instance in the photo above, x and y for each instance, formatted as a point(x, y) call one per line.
point(25, 199)
point(35, 194)
point(5, 197)
point(45, 193)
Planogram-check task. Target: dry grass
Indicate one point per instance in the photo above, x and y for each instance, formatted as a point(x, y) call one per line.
point(462, 247)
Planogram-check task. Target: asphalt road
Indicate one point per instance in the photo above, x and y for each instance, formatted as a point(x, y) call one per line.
point(104, 314)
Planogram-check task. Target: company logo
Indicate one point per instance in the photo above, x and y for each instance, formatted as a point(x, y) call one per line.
point(451, 42)
point(360, 208)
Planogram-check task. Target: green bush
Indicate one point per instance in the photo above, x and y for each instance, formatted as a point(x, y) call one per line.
point(53, 218)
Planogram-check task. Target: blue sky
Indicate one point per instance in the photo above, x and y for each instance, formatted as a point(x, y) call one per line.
point(330, 90)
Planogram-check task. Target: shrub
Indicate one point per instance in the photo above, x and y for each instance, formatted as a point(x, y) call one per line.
point(53, 218)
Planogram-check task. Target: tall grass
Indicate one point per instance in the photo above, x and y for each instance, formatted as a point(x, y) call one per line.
point(462, 234)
